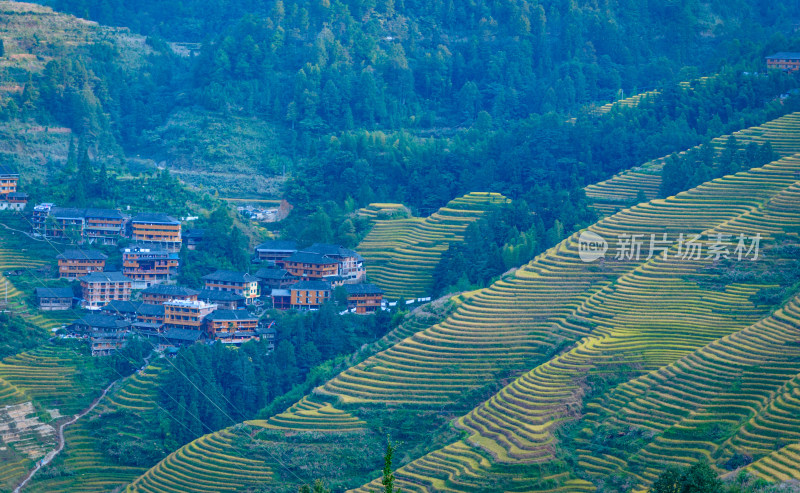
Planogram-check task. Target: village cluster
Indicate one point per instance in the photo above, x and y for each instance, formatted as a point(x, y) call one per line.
point(141, 296)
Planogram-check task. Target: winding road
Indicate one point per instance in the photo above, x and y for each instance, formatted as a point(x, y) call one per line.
point(61, 442)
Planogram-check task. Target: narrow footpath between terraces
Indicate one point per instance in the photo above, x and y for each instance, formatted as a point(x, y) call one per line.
point(61, 442)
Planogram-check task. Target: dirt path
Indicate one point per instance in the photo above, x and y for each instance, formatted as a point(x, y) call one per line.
point(26, 233)
point(61, 442)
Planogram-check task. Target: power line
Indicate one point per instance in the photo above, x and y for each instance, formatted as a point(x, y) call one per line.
point(276, 459)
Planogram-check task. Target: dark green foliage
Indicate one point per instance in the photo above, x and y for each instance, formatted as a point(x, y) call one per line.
point(738, 460)
point(143, 449)
point(699, 478)
point(670, 481)
point(542, 159)
point(318, 487)
point(224, 246)
point(210, 387)
point(387, 479)
point(130, 358)
point(329, 223)
point(508, 236)
point(16, 335)
point(701, 164)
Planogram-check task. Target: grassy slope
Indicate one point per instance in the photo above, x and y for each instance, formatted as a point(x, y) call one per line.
point(33, 36)
point(202, 146)
point(224, 153)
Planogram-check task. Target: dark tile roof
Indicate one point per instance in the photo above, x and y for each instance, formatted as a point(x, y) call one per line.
point(230, 276)
point(150, 310)
point(244, 333)
point(310, 258)
point(67, 213)
point(230, 315)
point(215, 295)
point(18, 195)
point(362, 289)
point(183, 334)
point(786, 55)
point(121, 307)
point(272, 273)
point(311, 285)
point(4, 170)
point(154, 217)
point(147, 326)
point(103, 213)
point(100, 321)
point(170, 290)
point(278, 245)
point(82, 255)
point(105, 277)
point(72, 213)
point(99, 337)
point(195, 234)
point(330, 250)
point(53, 292)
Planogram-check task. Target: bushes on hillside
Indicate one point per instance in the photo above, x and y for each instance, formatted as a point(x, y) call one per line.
point(17, 335)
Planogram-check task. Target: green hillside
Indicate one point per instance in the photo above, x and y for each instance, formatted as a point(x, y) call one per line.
point(559, 333)
point(610, 196)
point(561, 376)
point(517, 426)
point(84, 465)
point(401, 254)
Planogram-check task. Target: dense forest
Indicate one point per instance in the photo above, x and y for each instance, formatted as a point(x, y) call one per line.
point(418, 102)
point(426, 99)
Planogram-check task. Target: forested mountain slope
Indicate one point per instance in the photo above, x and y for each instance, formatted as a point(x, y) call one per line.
point(311, 90)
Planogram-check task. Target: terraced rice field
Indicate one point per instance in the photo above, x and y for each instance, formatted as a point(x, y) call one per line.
point(89, 469)
point(639, 317)
point(634, 100)
point(48, 380)
point(24, 438)
point(10, 260)
point(401, 254)
point(620, 191)
point(516, 425)
point(382, 211)
point(215, 462)
point(309, 415)
point(52, 377)
point(748, 382)
point(13, 260)
point(627, 102)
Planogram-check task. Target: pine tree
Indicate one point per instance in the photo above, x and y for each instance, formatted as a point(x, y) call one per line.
point(668, 482)
point(388, 476)
point(319, 487)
